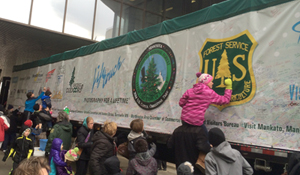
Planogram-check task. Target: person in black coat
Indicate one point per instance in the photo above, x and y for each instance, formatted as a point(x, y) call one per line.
point(10, 134)
point(84, 141)
point(112, 166)
point(187, 141)
point(103, 147)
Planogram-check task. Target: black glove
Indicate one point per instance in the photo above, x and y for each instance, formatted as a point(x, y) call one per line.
point(4, 159)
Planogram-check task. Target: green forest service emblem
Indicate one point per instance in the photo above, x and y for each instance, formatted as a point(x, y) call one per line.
point(230, 58)
point(154, 76)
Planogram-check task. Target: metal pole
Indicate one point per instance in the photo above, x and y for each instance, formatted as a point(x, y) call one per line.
point(30, 13)
point(120, 18)
point(93, 29)
point(65, 14)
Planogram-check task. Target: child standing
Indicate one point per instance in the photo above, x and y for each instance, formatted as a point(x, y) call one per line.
point(4, 125)
point(137, 127)
point(46, 103)
point(21, 149)
point(34, 131)
point(10, 134)
point(68, 157)
point(143, 163)
point(54, 157)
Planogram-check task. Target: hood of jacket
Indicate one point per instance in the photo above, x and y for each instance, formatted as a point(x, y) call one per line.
point(225, 152)
point(112, 165)
point(143, 158)
point(65, 125)
point(199, 87)
point(44, 97)
point(101, 135)
point(56, 144)
point(133, 135)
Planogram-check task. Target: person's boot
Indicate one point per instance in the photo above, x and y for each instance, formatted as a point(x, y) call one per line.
point(200, 164)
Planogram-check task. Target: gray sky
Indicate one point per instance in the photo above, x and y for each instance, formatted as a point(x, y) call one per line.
point(49, 14)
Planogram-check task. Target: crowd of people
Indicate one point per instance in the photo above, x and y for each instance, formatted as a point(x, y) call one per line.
point(196, 150)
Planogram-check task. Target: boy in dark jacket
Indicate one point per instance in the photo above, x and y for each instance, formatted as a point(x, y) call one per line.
point(21, 149)
point(112, 166)
point(143, 163)
point(34, 131)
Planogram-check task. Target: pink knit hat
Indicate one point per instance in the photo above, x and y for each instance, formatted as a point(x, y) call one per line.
point(204, 78)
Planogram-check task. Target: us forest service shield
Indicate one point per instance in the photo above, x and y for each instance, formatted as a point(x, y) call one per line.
point(230, 58)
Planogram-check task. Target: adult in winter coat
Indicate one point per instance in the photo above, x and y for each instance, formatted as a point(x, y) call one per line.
point(29, 103)
point(10, 134)
point(187, 141)
point(103, 147)
point(222, 159)
point(4, 125)
point(84, 141)
point(54, 156)
point(63, 130)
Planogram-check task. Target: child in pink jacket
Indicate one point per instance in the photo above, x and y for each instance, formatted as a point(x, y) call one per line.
point(195, 102)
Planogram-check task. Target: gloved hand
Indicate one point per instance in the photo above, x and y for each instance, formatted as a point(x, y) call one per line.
point(228, 83)
point(152, 145)
point(3, 159)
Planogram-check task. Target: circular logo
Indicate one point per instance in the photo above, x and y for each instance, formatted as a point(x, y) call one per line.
point(154, 76)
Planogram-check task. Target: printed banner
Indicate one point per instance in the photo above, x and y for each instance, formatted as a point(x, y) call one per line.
point(258, 50)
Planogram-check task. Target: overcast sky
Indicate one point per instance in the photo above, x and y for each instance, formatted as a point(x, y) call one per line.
point(49, 14)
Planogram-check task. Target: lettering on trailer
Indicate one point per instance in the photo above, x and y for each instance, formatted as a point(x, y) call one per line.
point(106, 76)
point(74, 87)
point(230, 58)
point(294, 29)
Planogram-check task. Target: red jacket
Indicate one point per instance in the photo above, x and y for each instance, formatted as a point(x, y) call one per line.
point(4, 125)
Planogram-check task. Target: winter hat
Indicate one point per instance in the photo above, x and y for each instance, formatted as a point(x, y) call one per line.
point(1, 108)
point(216, 136)
point(67, 110)
point(72, 155)
point(141, 145)
point(10, 107)
point(25, 128)
point(112, 165)
point(47, 93)
point(36, 107)
point(28, 123)
point(185, 168)
point(204, 78)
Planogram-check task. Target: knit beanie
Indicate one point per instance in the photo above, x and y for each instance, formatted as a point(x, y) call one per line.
point(25, 128)
point(10, 107)
point(28, 123)
point(185, 168)
point(204, 78)
point(67, 110)
point(141, 145)
point(72, 155)
point(36, 107)
point(47, 93)
point(216, 136)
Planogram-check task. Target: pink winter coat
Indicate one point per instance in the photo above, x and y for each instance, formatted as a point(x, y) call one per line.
point(196, 100)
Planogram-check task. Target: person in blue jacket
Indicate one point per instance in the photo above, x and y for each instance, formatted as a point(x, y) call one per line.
point(29, 103)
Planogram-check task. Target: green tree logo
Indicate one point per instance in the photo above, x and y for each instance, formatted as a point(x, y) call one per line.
point(72, 78)
point(152, 82)
point(223, 69)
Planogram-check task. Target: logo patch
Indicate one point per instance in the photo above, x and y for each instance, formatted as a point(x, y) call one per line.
point(230, 58)
point(154, 75)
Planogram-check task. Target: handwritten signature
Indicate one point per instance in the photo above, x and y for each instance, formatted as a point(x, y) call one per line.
point(98, 75)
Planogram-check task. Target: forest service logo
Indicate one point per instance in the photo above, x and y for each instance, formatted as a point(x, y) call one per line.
point(74, 87)
point(154, 76)
point(230, 58)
